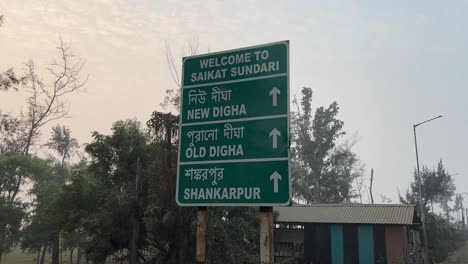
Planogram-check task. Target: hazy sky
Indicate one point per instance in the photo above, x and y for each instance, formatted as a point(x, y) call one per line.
point(389, 64)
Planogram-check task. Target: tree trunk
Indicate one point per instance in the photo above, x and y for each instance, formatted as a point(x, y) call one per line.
point(43, 255)
point(30, 136)
point(60, 249)
point(168, 153)
point(78, 258)
point(71, 255)
point(38, 255)
point(55, 248)
point(133, 256)
point(2, 239)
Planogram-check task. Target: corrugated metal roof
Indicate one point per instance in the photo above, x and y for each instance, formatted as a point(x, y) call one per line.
point(397, 214)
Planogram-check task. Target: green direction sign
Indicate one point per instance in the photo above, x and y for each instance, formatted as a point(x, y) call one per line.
point(234, 128)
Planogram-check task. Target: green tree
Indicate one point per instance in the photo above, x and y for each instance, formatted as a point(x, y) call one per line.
point(233, 232)
point(13, 134)
point(100, 202)
point(62, 143)
point(170, 228)
point(75, 209)
point(233, 235)
point(8, 79)
point(43, 229)
point(437, 187)
point(448, 189)
point(11, 216)
point(45, 103)
point(14, 170)
point(322, 171)
point(443, 237)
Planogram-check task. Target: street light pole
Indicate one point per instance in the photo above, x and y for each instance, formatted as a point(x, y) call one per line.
point(423, 214)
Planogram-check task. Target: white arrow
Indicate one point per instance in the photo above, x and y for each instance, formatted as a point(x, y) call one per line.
point(274, 93)
point(275, 133)
point(275, 177)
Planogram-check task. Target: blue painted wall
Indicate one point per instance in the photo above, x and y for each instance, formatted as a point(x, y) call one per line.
point(337, 249)
point(345, 244)
point(366, 244)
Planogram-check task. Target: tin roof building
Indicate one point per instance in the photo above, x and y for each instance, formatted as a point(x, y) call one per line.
point(346, 233)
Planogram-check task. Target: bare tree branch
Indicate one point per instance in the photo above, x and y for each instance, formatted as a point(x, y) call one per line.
point(172, 67)
point(191, 48)
point(45, 103)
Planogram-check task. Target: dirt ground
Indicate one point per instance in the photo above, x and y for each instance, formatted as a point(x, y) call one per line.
point(460, 256)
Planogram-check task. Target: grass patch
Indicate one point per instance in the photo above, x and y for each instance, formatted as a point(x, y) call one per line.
point(19, 257)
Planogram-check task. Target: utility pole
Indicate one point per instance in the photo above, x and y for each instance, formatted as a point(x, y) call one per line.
point(420, 189)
